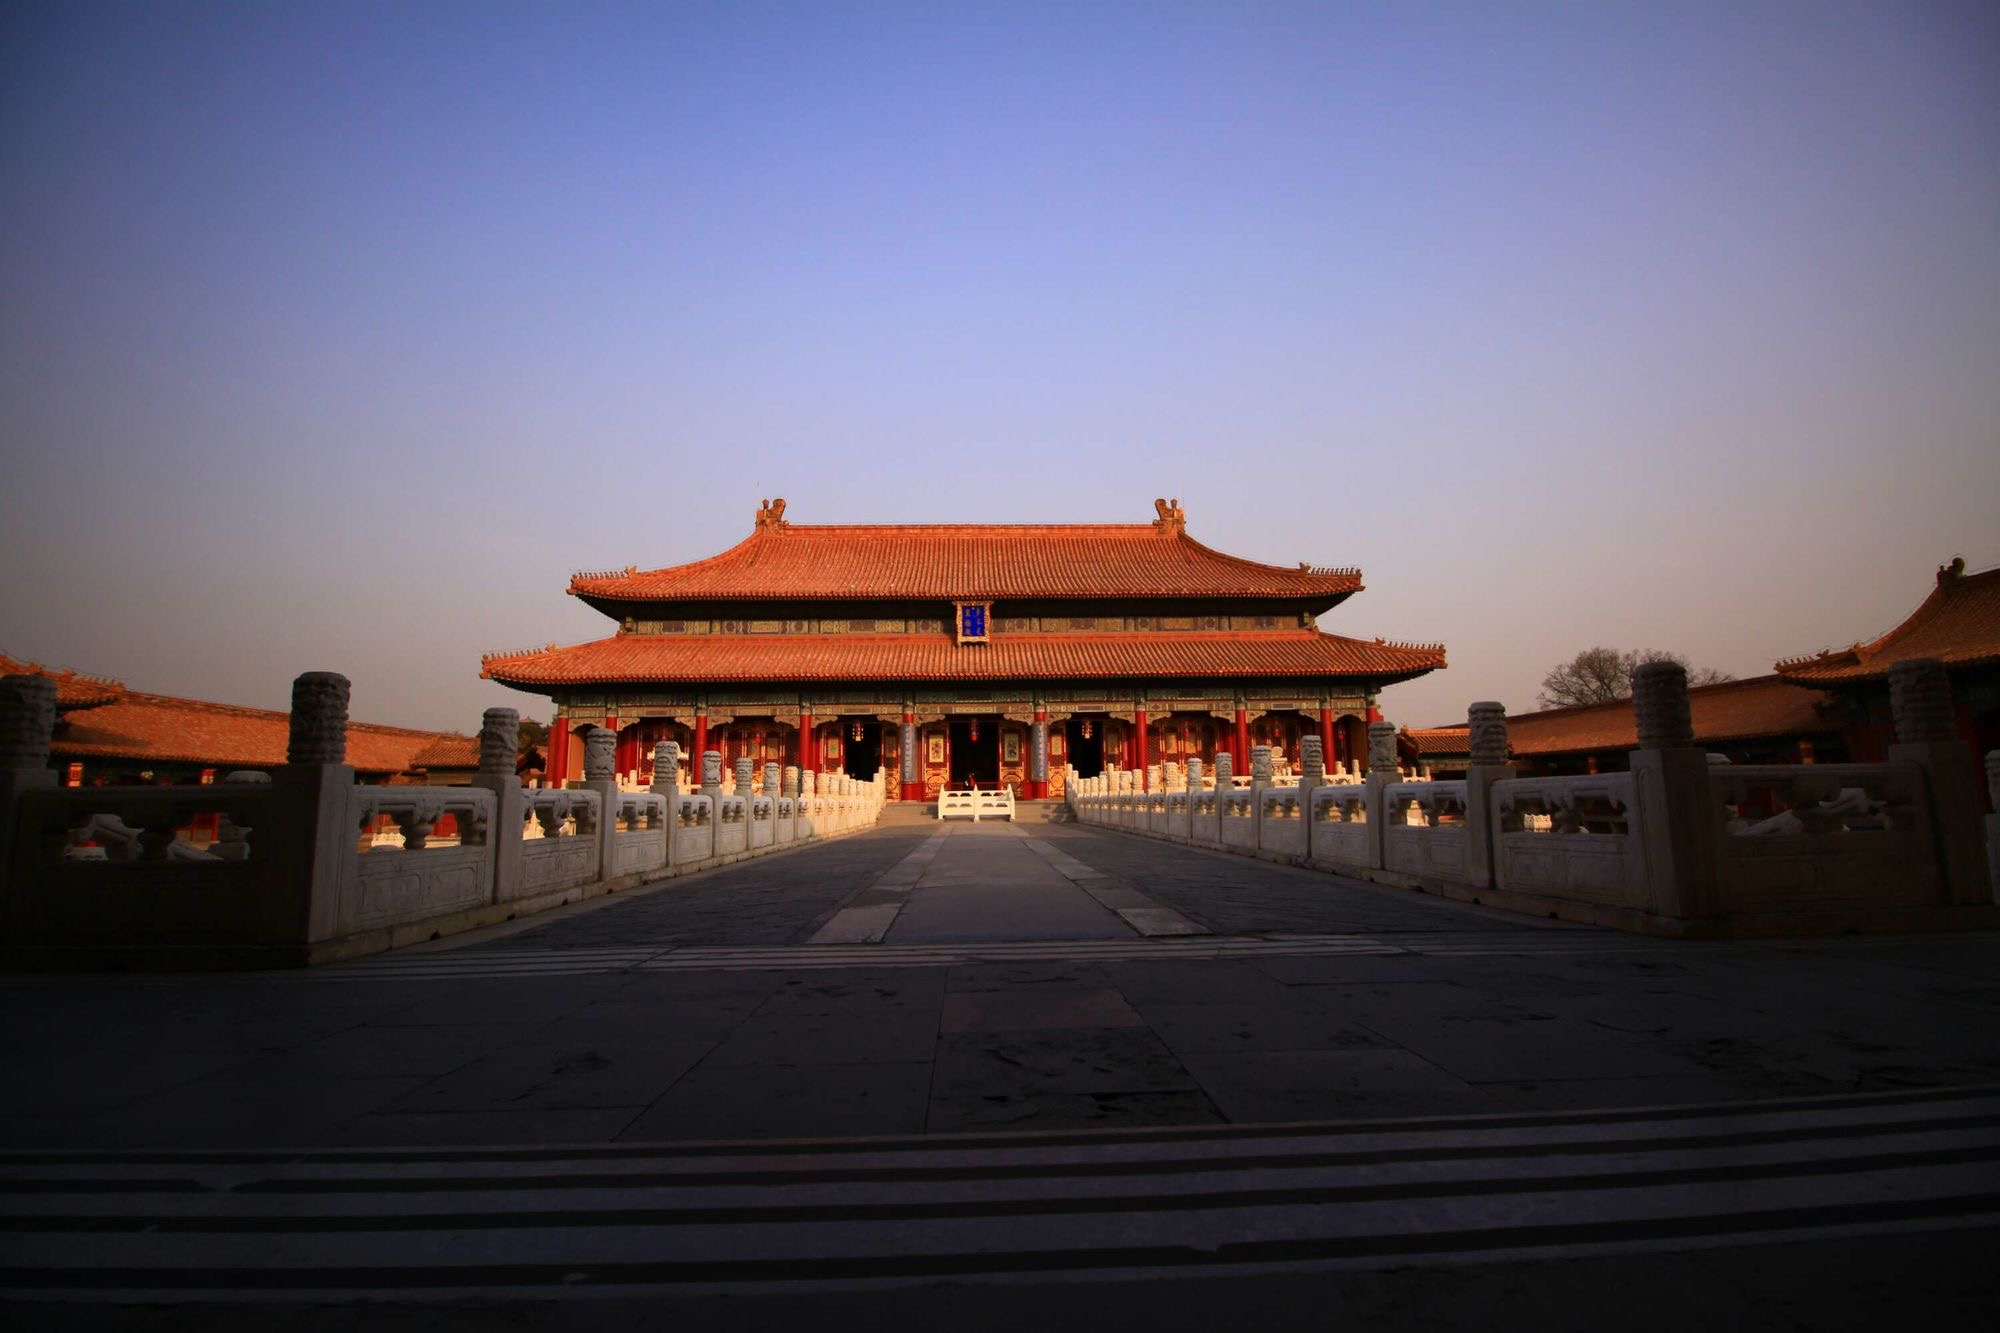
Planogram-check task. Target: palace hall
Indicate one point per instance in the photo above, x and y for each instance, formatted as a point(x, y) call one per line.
point(965, 654)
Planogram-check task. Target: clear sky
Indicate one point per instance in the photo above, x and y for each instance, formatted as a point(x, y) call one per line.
point(334, 336)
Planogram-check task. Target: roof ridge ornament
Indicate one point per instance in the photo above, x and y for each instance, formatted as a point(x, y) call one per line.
point(771, 515)
point(1172, 518)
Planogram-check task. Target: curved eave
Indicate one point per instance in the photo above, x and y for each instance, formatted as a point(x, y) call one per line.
point(635, 659)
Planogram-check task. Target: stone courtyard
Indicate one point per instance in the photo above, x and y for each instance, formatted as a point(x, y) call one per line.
point(987, 980)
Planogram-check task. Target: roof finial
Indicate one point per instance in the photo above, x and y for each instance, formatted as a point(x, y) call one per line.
point(1951, 572)
point(1172, 517)
point(771, 514)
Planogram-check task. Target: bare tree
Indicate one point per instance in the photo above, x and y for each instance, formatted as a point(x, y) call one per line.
point(1603, 675)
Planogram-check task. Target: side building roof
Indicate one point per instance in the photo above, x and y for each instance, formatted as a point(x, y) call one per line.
point(783, 561)
point(194, 731)
point(669, 658)
point(130, 724)
point(1734, 710)
point(1958, 623)
point(74, 689)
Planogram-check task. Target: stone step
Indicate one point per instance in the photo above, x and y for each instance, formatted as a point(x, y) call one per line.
point(529, 1222)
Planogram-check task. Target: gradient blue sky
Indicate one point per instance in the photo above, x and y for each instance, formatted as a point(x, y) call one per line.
point(337, 335)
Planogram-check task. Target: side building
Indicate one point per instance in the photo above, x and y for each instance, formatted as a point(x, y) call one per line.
point(109, 734)
point(965, 654)
point(1831, 707)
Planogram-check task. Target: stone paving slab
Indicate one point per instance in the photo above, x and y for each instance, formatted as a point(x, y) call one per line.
point(1451, 1009)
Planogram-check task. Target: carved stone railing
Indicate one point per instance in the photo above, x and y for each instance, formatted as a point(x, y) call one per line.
point(566, 850)
point(305, 865)
point(1236, 818)
point(112, 825)
point(1571, 838)
point(1281, 816)
point(108, 865)
point(639, 838)
point(1342, 836)
point(732, 832)
point(1677, 844)
point(694, 830)
point(386, 886)
point(1840, 832)
point(1424, 831)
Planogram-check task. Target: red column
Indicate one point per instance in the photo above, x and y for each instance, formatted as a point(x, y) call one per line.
point(1240, 758)
point(911, 758)
point(700, 747)
point(558, 753)
point(1139, 744)
point(805, 757)
point(1038, 790)
point(1326, 737)
point(1374, 713)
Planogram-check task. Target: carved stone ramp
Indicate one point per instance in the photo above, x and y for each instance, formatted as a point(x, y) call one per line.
point(658, 1221)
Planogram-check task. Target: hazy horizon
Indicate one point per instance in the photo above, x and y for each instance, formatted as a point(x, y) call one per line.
point(336, 337)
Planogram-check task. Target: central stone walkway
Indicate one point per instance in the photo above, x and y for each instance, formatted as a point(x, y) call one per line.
point(992, 881)
point(533, 1106)
point(1035, 976)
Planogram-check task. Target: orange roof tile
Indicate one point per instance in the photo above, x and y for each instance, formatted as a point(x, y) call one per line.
point(1959, 623)
point(634, 658)
point(1733, 710)
point(194, 731)
point(784, 561)
point(1440, 740)
point(74, 689)
point(449, 751)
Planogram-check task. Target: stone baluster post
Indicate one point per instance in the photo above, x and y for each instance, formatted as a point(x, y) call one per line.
point(1670, 780)
point(1382, 772)
point(499, 748)
point(1927, 736)
point(1194, 767)
point(315, 787)
point(746, 791)
point(600, 775)
point(1312, 776)
point(771, 778)
point(1225, 775)
point(1260, 779)
point(711, 782)
point(667, 773)
point(27, 730)
point(667, 785)
point(1486, 728)
point(790, 781)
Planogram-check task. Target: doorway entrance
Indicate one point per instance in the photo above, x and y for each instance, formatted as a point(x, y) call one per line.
point(1085, 743)
point(860, 757)
point(975, 752)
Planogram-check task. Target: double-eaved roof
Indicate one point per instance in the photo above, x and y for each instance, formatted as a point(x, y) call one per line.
point(1113, 564)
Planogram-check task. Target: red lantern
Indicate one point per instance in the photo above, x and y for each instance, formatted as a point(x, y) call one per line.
point(975, 728)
